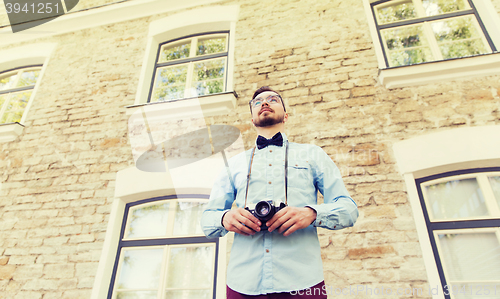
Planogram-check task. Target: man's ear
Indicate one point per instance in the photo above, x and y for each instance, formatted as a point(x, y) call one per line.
point(285, 118)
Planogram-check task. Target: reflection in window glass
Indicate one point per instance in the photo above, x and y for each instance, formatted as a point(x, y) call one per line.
point(459, 37)
point(140, 269)
point(137, 295)
point(495, 185)
point(28, 78)
point(396, 12)
point(192, 67)
point(190, 267)
point(438, 7)
point(406, 45)
point(153, 221)
point(456, 199)
point(7, 82)
point(189, 294)
point(170, 83)
point(208, 76)
point(211, 45)
point(187, 218)
point(470, 257)
point(149, 221)
point(173, 52)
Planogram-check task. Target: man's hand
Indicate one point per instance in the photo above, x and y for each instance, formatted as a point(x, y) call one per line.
point(291, 219)
point(241, 221)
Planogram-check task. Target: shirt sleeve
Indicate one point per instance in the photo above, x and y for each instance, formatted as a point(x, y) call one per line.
point(221, 199)
point(338, 210)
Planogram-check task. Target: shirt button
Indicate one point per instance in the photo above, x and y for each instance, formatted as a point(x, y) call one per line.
point(270, 164)
point(267, 250)
point(269, 183)
point(320, 223)
point(270, 151)
point(335, 226)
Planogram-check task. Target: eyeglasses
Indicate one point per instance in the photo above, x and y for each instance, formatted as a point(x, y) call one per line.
point(272, 99)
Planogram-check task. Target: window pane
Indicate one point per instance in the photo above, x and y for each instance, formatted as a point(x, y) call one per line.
point(3, 98)
point(28, 78)
point(136, 295)
point(18, 101)
point(211, 45)
point(175, 51)
point(459, 37)
point(7, 82)
point(470, 257)
point(456, 199)
point(149, 221)
point(406, 45)
point(495, 185)
point(396, 12)
point(170, 83)
point(438, 7)
point(191, 267)
point(187, 218)
point(189, 294)
point(208, 76)
point(140, 269)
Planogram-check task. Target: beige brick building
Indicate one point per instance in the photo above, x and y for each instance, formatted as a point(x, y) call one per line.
point(413, 126)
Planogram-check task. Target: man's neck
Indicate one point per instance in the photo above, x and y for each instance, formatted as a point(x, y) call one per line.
point(270, 131)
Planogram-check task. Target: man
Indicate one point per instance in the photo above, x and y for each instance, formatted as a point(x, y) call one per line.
point(284, 261)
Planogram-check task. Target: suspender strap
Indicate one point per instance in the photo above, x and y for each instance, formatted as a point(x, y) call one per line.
point(248, 175)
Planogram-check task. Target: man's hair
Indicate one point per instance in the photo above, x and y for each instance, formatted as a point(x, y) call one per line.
point(263, 89)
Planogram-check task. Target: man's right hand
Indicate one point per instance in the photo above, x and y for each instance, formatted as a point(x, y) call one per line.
point(241, 221)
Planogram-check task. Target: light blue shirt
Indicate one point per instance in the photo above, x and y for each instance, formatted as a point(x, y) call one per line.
point(269, 262)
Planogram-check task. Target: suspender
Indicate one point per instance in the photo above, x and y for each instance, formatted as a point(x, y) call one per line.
point(286, 174)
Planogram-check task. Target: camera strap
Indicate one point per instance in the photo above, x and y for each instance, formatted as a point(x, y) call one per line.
point(286, 174)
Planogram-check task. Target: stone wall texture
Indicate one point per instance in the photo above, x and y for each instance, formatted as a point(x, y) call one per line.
point(58, 177)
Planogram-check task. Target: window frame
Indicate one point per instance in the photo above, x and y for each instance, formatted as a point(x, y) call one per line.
point(142, 243)
point(442, 70)
point(457, 225)
point(425, 21)
point(189, 61)
point(192, 22)
point(439, 152)
point(17, 89)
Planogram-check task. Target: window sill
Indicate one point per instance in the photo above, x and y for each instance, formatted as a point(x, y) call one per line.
point(483, 65)
point(10, 131)
point(211, 105)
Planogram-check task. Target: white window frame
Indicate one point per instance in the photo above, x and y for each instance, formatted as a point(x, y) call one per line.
point(133, 185)
point(441, 152)
point(176, 242)
point(403, 76)
point(15, 58)
point(193, 22)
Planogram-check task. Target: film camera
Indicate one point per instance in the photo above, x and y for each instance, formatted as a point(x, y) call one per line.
point(265, 210)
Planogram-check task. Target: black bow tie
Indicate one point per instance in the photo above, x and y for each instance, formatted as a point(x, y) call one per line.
point(277, 140)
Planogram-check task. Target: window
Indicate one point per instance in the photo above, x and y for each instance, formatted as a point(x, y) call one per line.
point(426, 41)
point(190, 67)
point(16, 88)
point(462, 213)
point(417, 31)
point(163, 253)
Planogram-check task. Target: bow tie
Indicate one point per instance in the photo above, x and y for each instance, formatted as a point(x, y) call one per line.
point(277, 140)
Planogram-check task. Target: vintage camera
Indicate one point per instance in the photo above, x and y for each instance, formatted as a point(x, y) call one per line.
point(265, 210)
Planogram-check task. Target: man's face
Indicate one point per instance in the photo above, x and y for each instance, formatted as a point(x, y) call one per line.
point(269, 112)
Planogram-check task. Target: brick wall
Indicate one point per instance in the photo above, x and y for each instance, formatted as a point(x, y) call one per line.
point(58, 177)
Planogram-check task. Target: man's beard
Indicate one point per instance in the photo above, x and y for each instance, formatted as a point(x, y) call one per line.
point(268, 121)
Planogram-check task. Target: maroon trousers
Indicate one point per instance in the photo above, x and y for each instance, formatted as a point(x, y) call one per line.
point(315, 292)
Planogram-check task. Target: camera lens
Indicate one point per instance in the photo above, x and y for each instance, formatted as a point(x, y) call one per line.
point(262, 209)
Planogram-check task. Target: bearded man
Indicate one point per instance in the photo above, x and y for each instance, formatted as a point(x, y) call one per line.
point(278, 257)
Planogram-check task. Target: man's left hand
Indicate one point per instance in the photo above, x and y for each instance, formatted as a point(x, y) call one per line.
point(291, 219)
